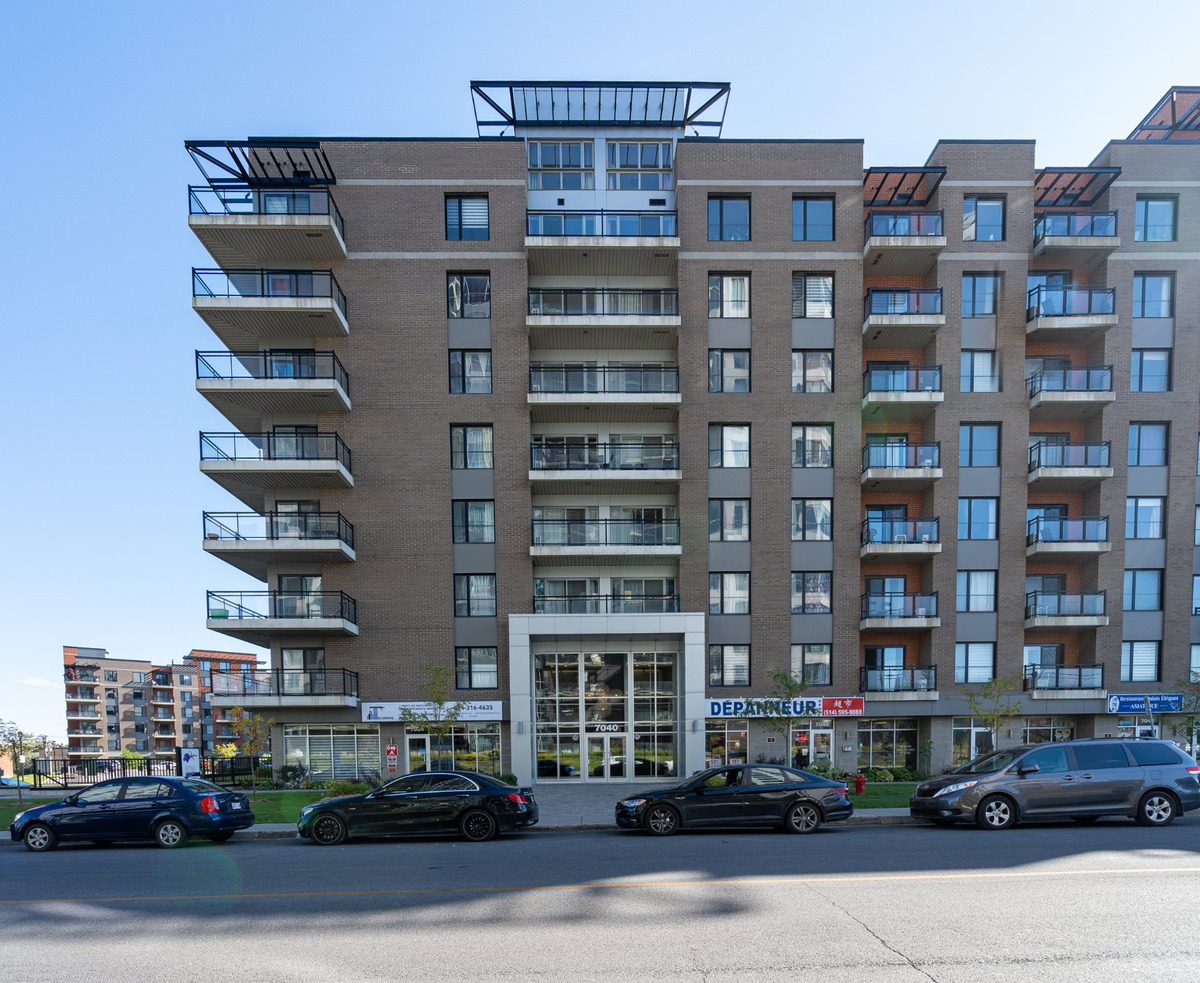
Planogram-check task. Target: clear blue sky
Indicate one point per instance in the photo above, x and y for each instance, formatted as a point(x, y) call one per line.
point(101, 493)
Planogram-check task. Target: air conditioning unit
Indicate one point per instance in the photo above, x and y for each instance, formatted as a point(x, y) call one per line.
point(925, 537)
point(900, 539)
point(921, 613)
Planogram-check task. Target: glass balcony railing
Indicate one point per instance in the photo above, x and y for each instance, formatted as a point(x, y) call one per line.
point(1082, 454)
point(1076, 379)
point(900, 532)
point(926, 454)
point(603, 379)
point(602, 302)
point(258, 605)
point(605, 532)
point(899, 605)
point(617, 457)
point(897, 679)
point(1040, 604)
point(236, 199)
point(286, 682)
point(906, 379)
point(271, 365)
point(274, 447)
point(1064, 677)
point(1076, 529)
point(602, 223)
point(904, 224)
point(1069, 302)
point(286, 526)
point(607, 604)
point(1084, 224)
point(903, 301)
point(296, 284)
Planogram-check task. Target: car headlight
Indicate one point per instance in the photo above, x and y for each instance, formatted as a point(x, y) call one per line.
point(956, 787)
point(305, 811)
point(17, 817)
point(632, 803)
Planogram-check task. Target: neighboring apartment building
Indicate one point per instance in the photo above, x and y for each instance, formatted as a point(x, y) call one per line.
point(114, 705)
point(611, 418)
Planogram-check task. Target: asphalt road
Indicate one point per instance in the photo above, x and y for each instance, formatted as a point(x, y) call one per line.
point(1056, 903)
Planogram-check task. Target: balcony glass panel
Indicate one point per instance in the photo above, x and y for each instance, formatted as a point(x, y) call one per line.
point(1064, 677)
point(588, 457)
point(257, 605)
point(603, 379)
point(897, 679)
point(922, 455)
point(605, 532)
point(904, 302)
point(286, 682)
point(906, 379)
point(274, 447)
point(268, 283)
point(602, 302)
point(1047, 301)
point(240, 526)
point(904, 224)
point(1088, 454)
point(1075, 224)
point(602, 223)
point(607, 604)
point(243, 200)
point(1039, 604)
point(897, 605)
point(1077, 379)
point(271, 365)
point(900, 532)
point(1077, 529)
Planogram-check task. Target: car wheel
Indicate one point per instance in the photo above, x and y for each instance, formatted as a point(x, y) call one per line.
point(1156, 809)
point(39, 838)
point(478, 825)
point(170, 834)
point(803, 817)
point(996, 812)
point(661, 821)
point(328, 830)
point(221, 836)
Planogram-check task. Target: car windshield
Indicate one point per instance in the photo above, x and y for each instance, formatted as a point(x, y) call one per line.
point(996, 761)
point(200, 785)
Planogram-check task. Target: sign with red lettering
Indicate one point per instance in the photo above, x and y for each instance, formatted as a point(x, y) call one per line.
point(392, 750)
point(842, 706)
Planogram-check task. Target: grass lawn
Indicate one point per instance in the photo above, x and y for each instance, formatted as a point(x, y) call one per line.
point(10, 807)
point(283, 807)
point(883, 795)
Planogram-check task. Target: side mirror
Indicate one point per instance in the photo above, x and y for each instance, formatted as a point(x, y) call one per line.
point(72, 800)
point(1028, 769)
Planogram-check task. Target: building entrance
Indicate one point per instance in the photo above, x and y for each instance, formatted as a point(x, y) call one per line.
point(606, 758)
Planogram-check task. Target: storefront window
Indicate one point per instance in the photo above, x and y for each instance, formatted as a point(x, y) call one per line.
point(726, 742)
point(1043, 730)
point(812, 743)
point(971, 739)
point(343, 752)
point(887, 743)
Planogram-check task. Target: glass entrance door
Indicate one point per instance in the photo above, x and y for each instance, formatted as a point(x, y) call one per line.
point(606, 757)
point(416, 752)
point(812, 744)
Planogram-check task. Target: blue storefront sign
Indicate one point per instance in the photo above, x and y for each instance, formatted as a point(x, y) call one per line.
point(1136, 703)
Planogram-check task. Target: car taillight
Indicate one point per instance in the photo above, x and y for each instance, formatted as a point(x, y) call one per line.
point(1194, 771)
point(518, 798)
point(209, 804)
point(843, 790)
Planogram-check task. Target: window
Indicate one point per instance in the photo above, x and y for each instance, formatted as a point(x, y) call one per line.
point(728, 370)
point(976, 590)
point(466, 217)
point(470, 447)
point(475, 595)
point(474, 521)
point(1147, 445)
point(729, 593)
point(978, 445)
point(728, 520)
point(476, 668)
point(812, 219)
point(138, 677)
point(812, 593)
point(1150, 370)
point(729, 665)
point(979, 292)
point(728, 445)
point(1194, 664)
point(639, 166)
point(1144, 518)
point(1196, 533)
point(812, 445)
point(1152, 294)
point(468, 295)
point(728, 219)
point(1195, 595)
point(812, 295)
point(729, 295)
point(470, 372)
point(983, 219)
point(1139, 662)
point(1154, 219)
point(1143, 590)
point(561, 166)
point(110, 676)
point(974, 661)
point(977, 518)
point(812, 519)
point(812, 371)
point(977, 372)
point(811, 664)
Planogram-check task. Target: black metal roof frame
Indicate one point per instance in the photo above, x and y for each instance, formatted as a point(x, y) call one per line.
point(675, 105)
point(900, 185)
point(261, 162)
point(1061, 186)
point(1171, 115)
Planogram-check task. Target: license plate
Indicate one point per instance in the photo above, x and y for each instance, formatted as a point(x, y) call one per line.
point(237, 805)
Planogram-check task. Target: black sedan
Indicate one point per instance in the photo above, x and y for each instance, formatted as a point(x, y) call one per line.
point(739, 795)
point(476, 806)
point(166, 810)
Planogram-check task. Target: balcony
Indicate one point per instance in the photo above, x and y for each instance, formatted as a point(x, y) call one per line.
point(627, 394)
point(1070, 394)
point(608, 604)
point(1069, 465)
point(250, 541)
point(240, 224)
point(1067, 610)
point(901, 318)
point(247, 386)
point(896, 467)
point(885, 539)
point(611, 541)
point(165, 698)
point(600, 318)
point(84, 731)
point(82, 694)
point(902, 243)
point(899, 611)
point(82, 713)
point(1078, 682)
point(248, 464)
point(647, 467)
point(1069, 313)
point(1087, 235)
point(286, 688)
point(602, 243)
point(906, 393)
point(244, 308)
point(84, 750)
point(257, 616)
point(900, 680)
point(1077, 537)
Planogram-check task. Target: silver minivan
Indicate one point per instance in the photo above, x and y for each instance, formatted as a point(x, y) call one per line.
point(1147, 780)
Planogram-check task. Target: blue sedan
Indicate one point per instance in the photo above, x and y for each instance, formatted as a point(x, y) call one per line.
point(168, 811)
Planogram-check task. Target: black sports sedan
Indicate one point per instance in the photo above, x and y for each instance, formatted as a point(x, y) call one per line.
point(166, 810)
point(739, 795)
point(476, 806)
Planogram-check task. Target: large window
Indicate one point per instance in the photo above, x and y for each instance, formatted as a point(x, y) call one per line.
point(728, 445)
point(812, 519)
point(1144, 518)
point(476, 668)
point(978, 445)
point(979, 293)
point(812, 445)
point(976, 590)
point(470, 371)
point(977, 518)
point(470, 447)
point(469, 295)
point(475, 595)
point(978, 372)
point(812, 592)
point(729, 665)
point(812, 295)
point(885, 742)
point(983, 219)
point(1152, 294)
point(474, 521)
point(729, 593)
point(1195, 594)
point(1147, 445)
point(561, 166)
point(811, 663)
point(466, 217)
point(729, 520)
point(342, 752)
point(728, 219)
point(728, 370)
point(974, 662)
point(639, 166)
point(812, 219)
point(729, 295)
point(1139, 662)
point(1154, 219)
point(812, 371)
point(1150, 370)
point(1143, 590)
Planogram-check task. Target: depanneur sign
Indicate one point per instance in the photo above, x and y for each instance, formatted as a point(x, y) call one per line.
point(825, 706)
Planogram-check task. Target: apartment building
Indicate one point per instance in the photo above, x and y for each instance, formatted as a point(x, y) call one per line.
point(114, 705)
point(610, 418)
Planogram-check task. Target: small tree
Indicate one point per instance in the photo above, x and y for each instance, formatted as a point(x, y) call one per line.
point(17, 743)
point(440, 713)
point(254, 730)
point(1186, 722)
point(990, 703)
point(778, 711)
point(229, 750)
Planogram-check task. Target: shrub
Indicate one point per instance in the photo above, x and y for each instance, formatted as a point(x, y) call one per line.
point(508, 778)
point(293, 776)
point(883, 775)
point(347, 788)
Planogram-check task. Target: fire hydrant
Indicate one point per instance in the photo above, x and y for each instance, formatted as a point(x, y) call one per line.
point(860, 783)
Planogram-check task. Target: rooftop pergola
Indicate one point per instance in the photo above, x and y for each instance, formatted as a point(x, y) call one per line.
point(1080, 187)
point(1176, 117)
point(261, 163)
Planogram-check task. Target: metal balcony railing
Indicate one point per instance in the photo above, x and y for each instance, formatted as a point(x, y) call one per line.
point(1070, 454)
point(598, 456)
point(1069, 301)
point(298, 284)
point(896, 679)
point(1076, 529)
point(1084, 224)
point(257, 605)
point(607, 604)
point(603, 379)
point(274, 447)
point(1064, 677)
point(236, 199)
point(926, 454)
point(899, 605)
point(271, 365)
point(297, 526)
point(924, 301)
point(286, 682)
point(900, 532)
point(617, 224)
point(605, 532)
point(1076, 379)
point(1076, 604)
point(910, 379)
point(927, 223)
point(603, 302)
